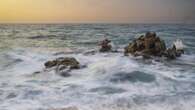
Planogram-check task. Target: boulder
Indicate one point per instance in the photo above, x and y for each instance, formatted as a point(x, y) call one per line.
point(105, 45)
point(174, 52)
point(63, 66)
point(150, 44)
point(63, 63)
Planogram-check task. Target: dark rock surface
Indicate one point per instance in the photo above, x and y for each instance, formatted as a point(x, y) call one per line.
point(149, 45)
point(105, 45)
point(63, 65)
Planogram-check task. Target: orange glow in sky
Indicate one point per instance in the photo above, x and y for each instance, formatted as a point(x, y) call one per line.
point(96, 10)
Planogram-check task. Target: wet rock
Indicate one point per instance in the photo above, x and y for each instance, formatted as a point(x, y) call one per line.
point(170, 53)
point(150, 45)
point(50, 64)
point(174, 52)
point(70, 62)
point(105, 45)
point(63, 65)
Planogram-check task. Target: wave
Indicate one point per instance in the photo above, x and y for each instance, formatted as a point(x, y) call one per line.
point(109, 81)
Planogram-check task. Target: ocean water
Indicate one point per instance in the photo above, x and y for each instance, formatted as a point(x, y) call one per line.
point(110, 81)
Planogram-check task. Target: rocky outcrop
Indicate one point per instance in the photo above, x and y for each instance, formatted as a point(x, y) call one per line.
point(105, 45)
point(176, 51)
point(150, 45)
point(63, 65)
point(65, 62)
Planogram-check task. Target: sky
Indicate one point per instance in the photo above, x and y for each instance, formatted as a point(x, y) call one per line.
point(97, 11)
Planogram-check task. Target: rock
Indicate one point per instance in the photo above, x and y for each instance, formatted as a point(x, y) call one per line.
point(146, 45)
point(64, 63)
point(150, 44)
point(50, 64)
point(105, 46)
point(176, 51)
point(170, 53)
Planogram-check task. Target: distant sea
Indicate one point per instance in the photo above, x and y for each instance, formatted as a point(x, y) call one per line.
point(110, 81)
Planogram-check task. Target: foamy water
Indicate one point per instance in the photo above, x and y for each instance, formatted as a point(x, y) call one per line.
point(110, 81)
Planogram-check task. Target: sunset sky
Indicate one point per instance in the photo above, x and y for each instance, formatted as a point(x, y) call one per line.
point(84, 11)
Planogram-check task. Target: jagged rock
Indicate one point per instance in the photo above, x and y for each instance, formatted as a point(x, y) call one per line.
point(64, 63)
point(50, 64)
point(170, 53)
point(63, 66)
point(105, 46)
point(150, 44)
point(175, 51)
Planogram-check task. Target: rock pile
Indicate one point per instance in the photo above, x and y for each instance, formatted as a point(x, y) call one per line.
point(149, 45)
point(63, 65)
point(70, 62)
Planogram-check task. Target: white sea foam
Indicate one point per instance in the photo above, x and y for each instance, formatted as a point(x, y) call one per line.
point(109, 81)
point(179, 44)
point(90, 87)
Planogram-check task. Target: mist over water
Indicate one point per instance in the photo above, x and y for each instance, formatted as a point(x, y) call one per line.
point(110, 81)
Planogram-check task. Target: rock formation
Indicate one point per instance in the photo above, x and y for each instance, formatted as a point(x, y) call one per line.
point(63, 65)
point(105, 46)
point(66, 62)
point(176, 51)
point(150, 44)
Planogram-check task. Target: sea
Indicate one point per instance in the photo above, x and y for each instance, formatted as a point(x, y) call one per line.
point(109, 81)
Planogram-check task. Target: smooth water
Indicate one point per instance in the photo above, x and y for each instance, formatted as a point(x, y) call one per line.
point(109, 82)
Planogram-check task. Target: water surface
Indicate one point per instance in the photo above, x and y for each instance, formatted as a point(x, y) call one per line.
point(109, 82)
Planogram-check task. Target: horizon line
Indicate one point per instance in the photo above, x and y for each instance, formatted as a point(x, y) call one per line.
point(96, 23)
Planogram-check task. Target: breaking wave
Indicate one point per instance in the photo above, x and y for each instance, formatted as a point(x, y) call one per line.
point(109, 81)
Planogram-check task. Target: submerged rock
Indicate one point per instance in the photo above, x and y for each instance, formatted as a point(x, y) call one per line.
point(105, 45)
point(150, 44)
